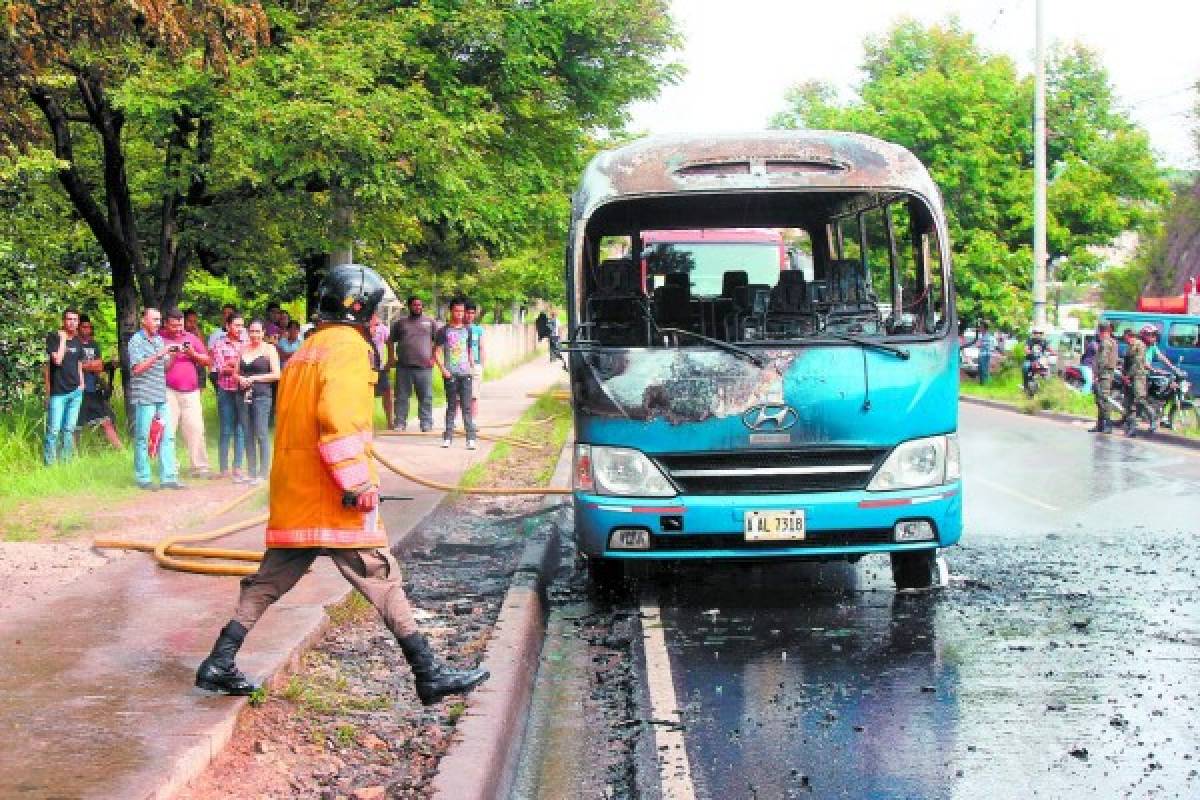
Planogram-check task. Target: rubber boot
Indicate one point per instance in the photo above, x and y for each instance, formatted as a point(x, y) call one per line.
point(218, 673)
point(434, 680)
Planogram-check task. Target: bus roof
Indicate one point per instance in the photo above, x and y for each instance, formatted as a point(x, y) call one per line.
point(1149, 316)
point(750, 162)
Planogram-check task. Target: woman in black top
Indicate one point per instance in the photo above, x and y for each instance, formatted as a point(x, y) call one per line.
point(257, 369)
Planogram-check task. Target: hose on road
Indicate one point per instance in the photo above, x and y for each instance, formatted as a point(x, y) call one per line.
point(174, 554)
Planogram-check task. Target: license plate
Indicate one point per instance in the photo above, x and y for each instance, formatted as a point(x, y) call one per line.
point(774, 526)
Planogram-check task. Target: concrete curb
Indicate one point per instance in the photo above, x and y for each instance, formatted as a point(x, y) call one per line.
point(481, 763)
point(1073, 419)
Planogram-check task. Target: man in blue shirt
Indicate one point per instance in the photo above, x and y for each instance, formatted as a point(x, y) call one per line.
point(477, 352)
point(148, 395)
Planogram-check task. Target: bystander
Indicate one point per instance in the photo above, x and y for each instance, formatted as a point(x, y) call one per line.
point(412, 353)
point(257, 373)
point(289, 343)
point(383, 386)
point(64, 389)
point(453, 357)
point(96, 410)
point(185, 414)
point(225, 352)
point(148, 355)
point(478, 353)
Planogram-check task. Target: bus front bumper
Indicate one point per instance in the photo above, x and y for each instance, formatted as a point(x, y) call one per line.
point(836, 524)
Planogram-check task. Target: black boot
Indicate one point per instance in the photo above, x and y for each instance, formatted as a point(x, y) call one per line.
point(1097, 428)
point(434, 679)
point(218, 673)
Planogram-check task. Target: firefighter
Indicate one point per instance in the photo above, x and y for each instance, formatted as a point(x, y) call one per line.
point(325, 491)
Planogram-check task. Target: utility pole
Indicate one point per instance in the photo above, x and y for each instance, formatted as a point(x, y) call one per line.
point(1039, 177)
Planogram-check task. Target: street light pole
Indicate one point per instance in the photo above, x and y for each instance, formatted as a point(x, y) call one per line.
point(1039, 178)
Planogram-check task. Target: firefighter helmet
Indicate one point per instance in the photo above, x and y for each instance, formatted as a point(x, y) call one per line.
point(350, 293)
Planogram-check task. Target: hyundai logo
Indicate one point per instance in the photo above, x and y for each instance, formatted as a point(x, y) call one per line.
point(770, 417)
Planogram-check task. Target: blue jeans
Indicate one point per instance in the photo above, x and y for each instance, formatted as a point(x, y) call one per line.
point(143, 415)
point(61, 417)
point(985, 365)
point(231, 429)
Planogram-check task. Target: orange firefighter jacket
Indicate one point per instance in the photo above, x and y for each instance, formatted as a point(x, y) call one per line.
point(322, 429)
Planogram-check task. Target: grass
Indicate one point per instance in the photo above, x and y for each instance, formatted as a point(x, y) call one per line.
point(531, 427)
point(321, 688)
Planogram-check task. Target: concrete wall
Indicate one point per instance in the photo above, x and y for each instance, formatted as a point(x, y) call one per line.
point(509, 343)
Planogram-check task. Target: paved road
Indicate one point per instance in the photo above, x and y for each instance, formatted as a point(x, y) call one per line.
point(1063, 659)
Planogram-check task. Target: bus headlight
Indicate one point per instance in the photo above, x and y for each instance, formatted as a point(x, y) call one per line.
point(931, 461)
point(619, 471)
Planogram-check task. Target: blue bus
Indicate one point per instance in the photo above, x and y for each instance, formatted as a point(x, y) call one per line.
point(763, 354)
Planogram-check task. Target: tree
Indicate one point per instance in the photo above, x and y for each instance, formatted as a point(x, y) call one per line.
point(967, 115)
point(61, 68)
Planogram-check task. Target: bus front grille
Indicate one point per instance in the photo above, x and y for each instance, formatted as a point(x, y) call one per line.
point(773, 471)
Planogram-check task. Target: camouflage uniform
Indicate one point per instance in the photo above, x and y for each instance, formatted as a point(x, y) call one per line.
point(1106, 367)
point(1135, 386)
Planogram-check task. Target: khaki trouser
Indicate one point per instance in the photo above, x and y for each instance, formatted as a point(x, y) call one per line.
point(185, 413)
point(373, 572)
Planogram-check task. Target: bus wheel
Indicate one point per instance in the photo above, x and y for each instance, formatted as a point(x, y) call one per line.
point(606, 575)
point(914, 569)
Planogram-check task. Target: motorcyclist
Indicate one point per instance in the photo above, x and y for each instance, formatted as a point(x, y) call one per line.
point(1105, 367)
point(1149, 334)
point(1036, 347)
point(1134, 374)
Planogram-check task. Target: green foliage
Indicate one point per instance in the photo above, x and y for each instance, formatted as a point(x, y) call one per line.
point(967, 115)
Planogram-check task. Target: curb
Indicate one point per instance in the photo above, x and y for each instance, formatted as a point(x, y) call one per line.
point(1176, 440)
point(481, 763)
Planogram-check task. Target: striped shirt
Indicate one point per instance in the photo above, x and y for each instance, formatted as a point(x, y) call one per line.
point(151, 385)
point(225, 353)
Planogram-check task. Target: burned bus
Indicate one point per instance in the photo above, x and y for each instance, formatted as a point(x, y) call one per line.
point(762, 354)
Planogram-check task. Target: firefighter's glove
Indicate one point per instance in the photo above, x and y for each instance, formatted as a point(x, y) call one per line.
point(364, 499)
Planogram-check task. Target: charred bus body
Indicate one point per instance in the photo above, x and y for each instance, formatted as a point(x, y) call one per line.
point(762, 361)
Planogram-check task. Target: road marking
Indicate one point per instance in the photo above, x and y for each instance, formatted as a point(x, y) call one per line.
point(1014, 493)
point(675, 773)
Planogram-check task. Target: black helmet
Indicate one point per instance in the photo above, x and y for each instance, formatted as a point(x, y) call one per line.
point(350, 293)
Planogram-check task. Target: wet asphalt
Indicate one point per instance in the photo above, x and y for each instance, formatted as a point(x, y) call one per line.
point(1062, 660)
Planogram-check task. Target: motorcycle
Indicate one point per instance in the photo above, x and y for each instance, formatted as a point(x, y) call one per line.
point(1037, 370)
point(1170, 396)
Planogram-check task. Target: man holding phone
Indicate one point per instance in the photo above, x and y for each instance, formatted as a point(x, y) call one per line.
point(184, 413)
point(148, 354)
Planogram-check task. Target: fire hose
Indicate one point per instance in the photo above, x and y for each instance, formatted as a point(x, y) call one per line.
point(174, 553)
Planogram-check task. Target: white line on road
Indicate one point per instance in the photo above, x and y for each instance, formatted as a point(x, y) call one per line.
point(1014, 493)
point(675, 772)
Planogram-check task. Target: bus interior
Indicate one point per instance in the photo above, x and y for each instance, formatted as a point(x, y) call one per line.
point(761, 268)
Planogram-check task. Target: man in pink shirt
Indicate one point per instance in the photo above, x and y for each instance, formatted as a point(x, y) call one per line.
point(183, 390)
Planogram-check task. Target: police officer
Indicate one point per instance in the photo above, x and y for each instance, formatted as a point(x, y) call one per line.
point(1105, 367)
point(325, 492)
point(1134, 368)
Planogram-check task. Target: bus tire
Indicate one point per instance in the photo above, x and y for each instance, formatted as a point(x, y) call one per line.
point(915, 569)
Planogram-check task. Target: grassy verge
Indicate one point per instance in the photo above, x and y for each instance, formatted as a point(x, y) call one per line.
point(39, 502)
point(549, 421)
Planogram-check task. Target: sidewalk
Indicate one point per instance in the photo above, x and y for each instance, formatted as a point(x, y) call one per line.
point(96, 697)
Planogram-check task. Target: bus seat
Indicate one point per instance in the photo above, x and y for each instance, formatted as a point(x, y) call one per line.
point(673, 306)
point(731, 280)
point(790, 294)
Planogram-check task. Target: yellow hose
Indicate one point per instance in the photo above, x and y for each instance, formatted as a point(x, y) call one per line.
point(173, 552)
point(512, 440)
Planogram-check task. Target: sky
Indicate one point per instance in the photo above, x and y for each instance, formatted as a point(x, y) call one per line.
point(741, 56)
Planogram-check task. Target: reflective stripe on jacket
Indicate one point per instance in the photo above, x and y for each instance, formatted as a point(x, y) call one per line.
point(323, 425)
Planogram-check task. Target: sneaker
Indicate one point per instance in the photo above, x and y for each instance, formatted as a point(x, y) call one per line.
point(172, 485)
point(149, 487)
point(399, 426)
point(240, 478)
point(445, 442)
point(470, 444)
point(255, 481)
